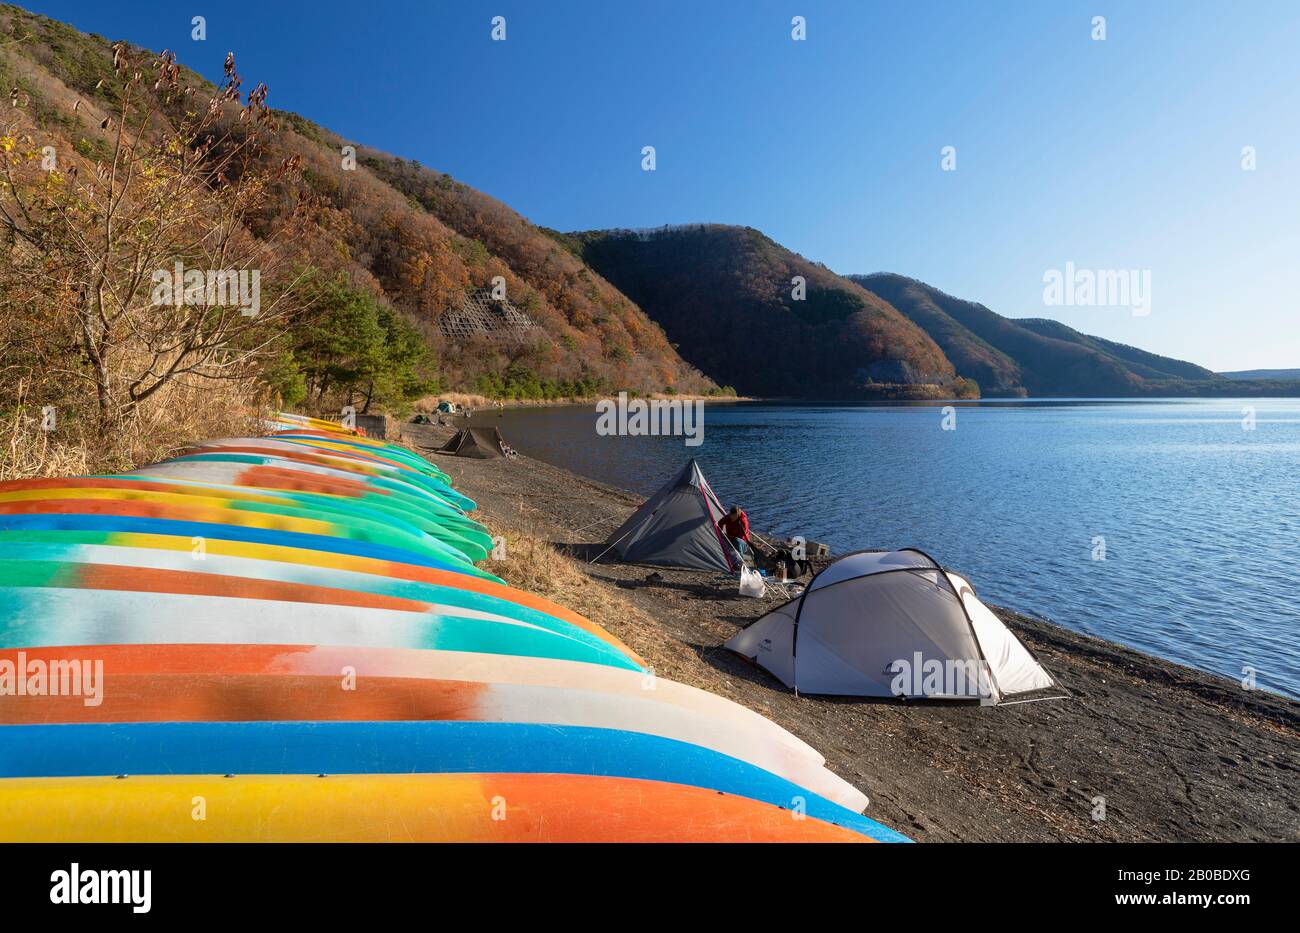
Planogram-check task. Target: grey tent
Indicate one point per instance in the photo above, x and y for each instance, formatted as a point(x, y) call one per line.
point(891, 624)
point(479, 443)
point(678, 527)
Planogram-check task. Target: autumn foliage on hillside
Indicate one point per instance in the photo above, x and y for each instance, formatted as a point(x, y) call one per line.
point(730, 300)
point(1007, 357)
point(130, 287)
point(156, 276)
point(995, 371)
point(592, 320)
point(423, 240)
point(413, 240)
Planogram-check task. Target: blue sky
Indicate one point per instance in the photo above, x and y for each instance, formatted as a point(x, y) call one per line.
point(1117, 154)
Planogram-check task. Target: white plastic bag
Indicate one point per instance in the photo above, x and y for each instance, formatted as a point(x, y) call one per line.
point(752, 583)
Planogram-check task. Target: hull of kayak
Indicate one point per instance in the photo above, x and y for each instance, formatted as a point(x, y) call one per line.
point(230, 511)
point(455, 542)
point(336, 661)
point(338, 460)
point(216, 466)
point(395, 748)
point(308, 557)
point(202, 527)
point(391, 808)
point(247, 576)
point(150, 696)
point(47, 616)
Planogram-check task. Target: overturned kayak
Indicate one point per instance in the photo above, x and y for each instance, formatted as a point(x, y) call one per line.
point(41, 613)
point(293, 632)
point(459, 541)
point(86, 544)
point(402, 663)
point(204, 528)
point(400, 747)
point(346, 461)
point(137, 684)
point(392, 808)
point(251, 576)
point(268, 471)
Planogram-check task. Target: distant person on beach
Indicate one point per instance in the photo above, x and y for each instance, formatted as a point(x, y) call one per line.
point(735, 525)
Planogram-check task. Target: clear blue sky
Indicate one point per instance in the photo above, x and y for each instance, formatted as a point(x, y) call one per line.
point(1124, 153)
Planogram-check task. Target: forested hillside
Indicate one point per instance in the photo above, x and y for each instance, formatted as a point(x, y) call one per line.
point(755, 315)
point(1145, 364)
point(1037, 356)
point(414, 252)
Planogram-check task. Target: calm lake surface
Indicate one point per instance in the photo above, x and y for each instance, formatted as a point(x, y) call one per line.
point(1200, 516)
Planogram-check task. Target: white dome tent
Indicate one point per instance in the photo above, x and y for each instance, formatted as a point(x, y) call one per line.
point(891, 624)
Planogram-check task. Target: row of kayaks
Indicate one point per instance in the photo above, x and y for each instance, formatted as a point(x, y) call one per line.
point(290, 637)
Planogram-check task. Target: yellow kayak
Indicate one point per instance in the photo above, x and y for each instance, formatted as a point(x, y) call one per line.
point(392, 808)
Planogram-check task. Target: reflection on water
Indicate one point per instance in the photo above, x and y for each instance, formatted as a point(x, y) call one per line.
point(1199, 517)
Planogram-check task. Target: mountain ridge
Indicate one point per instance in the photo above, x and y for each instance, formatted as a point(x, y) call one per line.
point(1251, 375)
point(1044, 357)
point(763, 318)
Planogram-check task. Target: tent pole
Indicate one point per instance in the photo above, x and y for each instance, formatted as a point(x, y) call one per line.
point(602, 553)
point(611, 547)
point(599, 521)
point(766, 543)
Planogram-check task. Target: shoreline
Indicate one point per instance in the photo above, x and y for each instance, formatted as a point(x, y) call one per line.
point(481, 403)
point(1176, 753)
point(427, 404)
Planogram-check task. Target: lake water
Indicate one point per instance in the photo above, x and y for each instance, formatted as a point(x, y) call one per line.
point(1199, 516)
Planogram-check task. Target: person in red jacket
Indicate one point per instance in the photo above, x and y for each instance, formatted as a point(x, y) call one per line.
point(735, 525)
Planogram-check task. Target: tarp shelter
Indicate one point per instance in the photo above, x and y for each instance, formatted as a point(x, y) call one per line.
point(887, 624)
point(479, 443)
point(678, 527)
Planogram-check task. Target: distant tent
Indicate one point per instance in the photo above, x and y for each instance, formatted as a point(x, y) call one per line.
point(479, 443)
point(678, 527)
point(890, 623)
point(447, 407)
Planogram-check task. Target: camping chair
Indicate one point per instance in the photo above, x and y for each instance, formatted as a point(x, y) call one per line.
point(784, 590)
point(779, 590)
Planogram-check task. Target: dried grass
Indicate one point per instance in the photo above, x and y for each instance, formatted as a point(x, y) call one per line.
point(31, 451)
point(429, 403)
point(175, 418)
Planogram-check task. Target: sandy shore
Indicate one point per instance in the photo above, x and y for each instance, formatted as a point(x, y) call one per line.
point(1178, 755)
